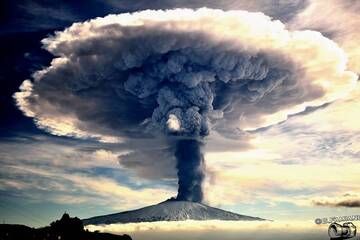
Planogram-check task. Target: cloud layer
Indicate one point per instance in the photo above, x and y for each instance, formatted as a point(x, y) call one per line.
point(46, 170)
point(227, 230)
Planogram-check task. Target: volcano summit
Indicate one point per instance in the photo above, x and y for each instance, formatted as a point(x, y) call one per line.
point(170, 210)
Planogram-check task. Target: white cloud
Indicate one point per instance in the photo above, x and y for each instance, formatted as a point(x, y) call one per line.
point(173, 123)
point(62, 172)
point(273, 182)
point(342, 26)
point(301, 161)
point(227, 230)
point(56, 185)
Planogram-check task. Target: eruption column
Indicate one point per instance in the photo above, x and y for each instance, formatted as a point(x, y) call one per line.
point(181, 73)
point(191, 168)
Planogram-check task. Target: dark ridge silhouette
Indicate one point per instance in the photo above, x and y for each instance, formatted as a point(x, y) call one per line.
point(66, 228)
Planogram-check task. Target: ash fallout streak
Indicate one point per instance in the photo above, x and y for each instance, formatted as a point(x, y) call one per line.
point(180, 75)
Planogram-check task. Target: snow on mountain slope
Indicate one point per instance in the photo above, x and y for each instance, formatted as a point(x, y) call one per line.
point(169, 211)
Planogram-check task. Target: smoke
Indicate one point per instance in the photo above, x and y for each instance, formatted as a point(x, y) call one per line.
point(180, 75)
point(348, 200)
point(190, 165)
point(345, 203)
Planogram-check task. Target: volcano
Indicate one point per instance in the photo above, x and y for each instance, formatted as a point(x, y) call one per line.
point(170, 210)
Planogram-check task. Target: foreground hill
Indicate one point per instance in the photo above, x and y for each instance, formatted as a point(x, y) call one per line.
point(64, 229)
point(170, 210)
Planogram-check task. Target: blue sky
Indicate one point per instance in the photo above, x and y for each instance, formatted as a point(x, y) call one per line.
point(302, 168)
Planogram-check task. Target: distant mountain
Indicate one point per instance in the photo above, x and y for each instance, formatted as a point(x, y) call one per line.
point(66, 228)
point(170, 210)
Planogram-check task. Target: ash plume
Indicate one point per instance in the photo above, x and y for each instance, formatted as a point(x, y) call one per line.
point(181, 74)
point(190, 165)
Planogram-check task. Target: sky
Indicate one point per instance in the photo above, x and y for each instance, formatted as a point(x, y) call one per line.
point(68, 145)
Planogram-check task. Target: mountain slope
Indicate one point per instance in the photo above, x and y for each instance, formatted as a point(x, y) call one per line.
point(169, 211)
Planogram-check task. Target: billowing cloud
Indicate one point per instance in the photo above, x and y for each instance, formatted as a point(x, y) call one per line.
point(342, 26)
point(124, 75)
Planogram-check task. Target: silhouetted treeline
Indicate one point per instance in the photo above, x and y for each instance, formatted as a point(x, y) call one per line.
point(66, 228)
